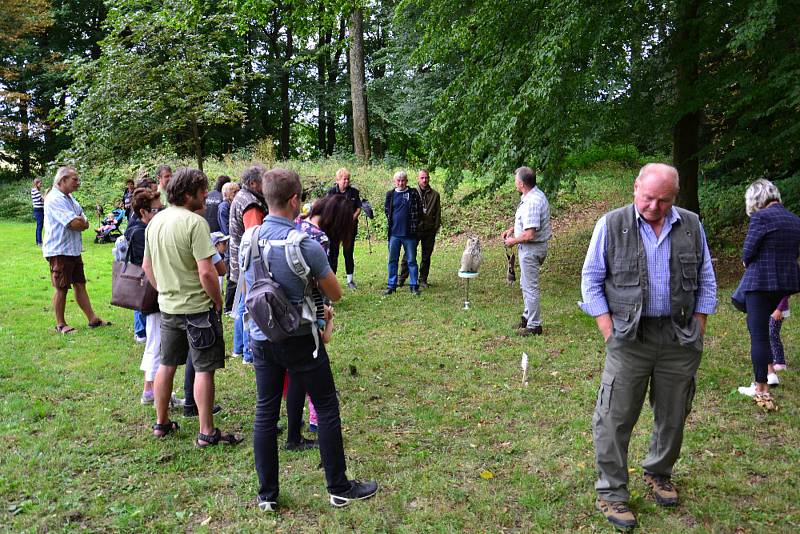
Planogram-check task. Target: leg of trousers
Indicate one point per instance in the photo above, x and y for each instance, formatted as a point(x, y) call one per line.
point(394, 257)
point(333, 255)
point(295, 399)
point(152, 347)
point(531, 258)
point(188, 383)
point(427, 242)
point(139, 326)
point(760, 305)
point(655, 359)
point(775, 341)
point(314, 375)
point(38, 214)
point(230, 292)
point(347, 249)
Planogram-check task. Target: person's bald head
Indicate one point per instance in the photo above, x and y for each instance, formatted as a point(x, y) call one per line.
point(655, 190)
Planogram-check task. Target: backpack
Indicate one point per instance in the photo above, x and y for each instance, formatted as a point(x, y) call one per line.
point(265, 301)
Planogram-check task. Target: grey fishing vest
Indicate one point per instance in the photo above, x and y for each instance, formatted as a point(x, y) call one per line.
point(626, 283)
point(244, 199)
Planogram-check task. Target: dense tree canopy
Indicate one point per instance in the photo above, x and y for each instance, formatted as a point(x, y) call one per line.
point(460, 85)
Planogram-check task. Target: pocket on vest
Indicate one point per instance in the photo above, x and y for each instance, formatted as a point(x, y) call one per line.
point(688, 262)
point(625, 273)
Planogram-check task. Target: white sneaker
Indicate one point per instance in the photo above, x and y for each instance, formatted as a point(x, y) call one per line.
point(235, 355)
point(174, 401)
point(749, 391)
point(138, 339)
point(772, 379)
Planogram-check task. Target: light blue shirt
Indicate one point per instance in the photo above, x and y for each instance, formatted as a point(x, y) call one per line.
point(59, 211)
point(533, 212)
point(657, 252)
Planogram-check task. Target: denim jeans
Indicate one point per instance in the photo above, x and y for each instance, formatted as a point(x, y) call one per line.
point(760, 305)
point(410, 248)
point(139, 328)
point(38, 214)
point(271, 361)
point(241, 335)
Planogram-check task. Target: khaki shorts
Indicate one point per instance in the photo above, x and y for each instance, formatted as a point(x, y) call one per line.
point(66, 270)
point(197, 336)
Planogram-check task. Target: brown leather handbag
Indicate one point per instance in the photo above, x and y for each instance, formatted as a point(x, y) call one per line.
point(130, 287)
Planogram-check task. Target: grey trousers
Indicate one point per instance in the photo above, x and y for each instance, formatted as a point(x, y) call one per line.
point(531, 258)
point(656, 359)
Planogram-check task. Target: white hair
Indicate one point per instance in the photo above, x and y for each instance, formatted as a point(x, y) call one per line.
point(62, 173)
point(759, 194)
point(663, 168)
point(400, 174)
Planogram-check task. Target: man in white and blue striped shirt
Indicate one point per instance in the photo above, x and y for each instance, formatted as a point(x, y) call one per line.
point(64, 220)
point(38, 209)
point(648, 281)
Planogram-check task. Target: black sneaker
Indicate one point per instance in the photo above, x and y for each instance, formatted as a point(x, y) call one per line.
point(351, 285)
point(415, 290)
point(304, 444)
point(191, 410)
point(388, 291)
point(357, 492)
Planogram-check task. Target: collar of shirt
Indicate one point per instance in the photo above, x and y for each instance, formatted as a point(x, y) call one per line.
point(669, 220)
point(277, 219)
point(400, 190)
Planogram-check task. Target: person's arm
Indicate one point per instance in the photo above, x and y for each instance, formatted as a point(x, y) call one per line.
point(706, 296)
point(437, 212)
point(752, 241)
point(253, 216)
point(147, 267)
point(527, 235)
point(79, 223)
point(210, 281)
point(593, 277)
point(509, 232)
point(387, 206)
point(327, 334)
point(220, 267)
point(329, 285)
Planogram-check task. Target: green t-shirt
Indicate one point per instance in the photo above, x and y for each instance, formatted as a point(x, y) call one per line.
point(174, 240)
point(162, 194)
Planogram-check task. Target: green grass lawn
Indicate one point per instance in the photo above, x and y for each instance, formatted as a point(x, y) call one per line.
point(432, 406)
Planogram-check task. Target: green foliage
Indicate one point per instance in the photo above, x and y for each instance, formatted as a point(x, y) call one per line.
point(166, 76)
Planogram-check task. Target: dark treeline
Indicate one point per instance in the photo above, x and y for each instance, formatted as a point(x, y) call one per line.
point(460, 85)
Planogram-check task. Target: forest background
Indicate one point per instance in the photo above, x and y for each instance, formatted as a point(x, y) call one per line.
point(471, 89)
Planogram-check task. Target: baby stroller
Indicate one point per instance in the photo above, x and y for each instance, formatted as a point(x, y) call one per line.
point(109, 231)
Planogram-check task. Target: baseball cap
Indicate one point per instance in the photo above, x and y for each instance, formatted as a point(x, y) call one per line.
point(217, 237)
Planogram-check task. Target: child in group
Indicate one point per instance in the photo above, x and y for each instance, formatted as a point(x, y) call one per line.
point(775, 323)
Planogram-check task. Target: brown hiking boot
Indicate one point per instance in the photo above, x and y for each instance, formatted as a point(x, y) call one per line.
point(525, 331)
point(618, 513)
point(663, 490)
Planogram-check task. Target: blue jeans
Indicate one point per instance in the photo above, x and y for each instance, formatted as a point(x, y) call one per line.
point(241, 335)
point(410, 247)
point(271, 362)
point(139, 328)
point(38, 214)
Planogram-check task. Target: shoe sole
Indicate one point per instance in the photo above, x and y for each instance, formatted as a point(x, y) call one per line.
point(617, 524)
point(268, 506)
point(346, 501)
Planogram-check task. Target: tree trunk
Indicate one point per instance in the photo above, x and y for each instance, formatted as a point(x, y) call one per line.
point(333, 75)
point(322, 68)
point(358, 93)
point(197, 141)
point(24, 138)
point(686, 131)
point(286, 112)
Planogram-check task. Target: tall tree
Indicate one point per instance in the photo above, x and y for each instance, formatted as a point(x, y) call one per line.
point(358, 90)
point(165, 75)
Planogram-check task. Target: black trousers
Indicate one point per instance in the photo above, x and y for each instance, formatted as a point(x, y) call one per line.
point(271, 361)
point(427, 242)
point(347, 246)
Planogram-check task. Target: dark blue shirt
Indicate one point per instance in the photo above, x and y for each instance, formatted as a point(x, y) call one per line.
point(223, 216)
point(400, 219)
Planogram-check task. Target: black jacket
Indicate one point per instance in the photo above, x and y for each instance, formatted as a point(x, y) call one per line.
point(134, 234)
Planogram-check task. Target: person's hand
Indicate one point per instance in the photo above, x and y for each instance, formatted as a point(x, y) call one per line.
point(504, 235)
point(509, 241)
point(777, 315)
point(328, 312)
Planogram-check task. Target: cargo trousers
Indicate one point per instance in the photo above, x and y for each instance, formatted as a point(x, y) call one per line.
point(656, 360)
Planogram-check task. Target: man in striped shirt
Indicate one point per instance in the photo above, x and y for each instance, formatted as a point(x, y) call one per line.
point(648, 282)
point(65, 220)
point(38, 209)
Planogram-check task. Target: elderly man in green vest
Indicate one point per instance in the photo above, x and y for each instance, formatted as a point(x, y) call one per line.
point(648, 282)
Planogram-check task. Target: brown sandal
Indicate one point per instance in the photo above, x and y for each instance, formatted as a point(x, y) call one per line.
point(65, 329)
point(766, 402)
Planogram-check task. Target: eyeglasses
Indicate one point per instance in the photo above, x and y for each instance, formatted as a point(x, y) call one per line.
point(155, 210)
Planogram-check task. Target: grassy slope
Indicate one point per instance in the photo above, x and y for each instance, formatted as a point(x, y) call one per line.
point(435, 401)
